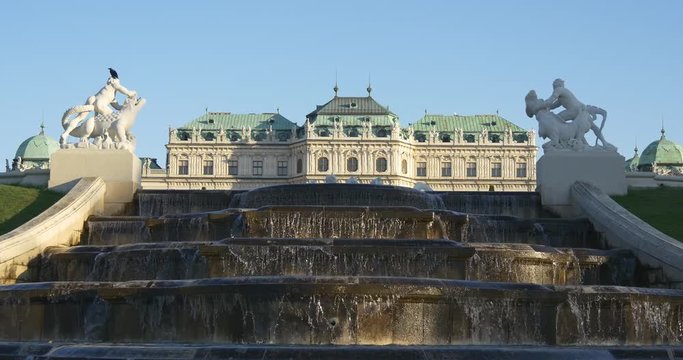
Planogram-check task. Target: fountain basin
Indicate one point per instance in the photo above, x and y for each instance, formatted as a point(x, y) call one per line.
point(339, 310)
point(447, 259)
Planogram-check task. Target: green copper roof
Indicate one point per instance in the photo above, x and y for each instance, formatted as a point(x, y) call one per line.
point(471, 123)
point(341, 105)
point(662, 151)
point(38, 147)
point(228, 121)
point(632, 163)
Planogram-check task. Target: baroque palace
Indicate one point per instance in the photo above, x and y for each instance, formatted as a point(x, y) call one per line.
point(352, 138)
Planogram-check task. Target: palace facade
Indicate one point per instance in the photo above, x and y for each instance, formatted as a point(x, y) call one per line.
point(352, 138)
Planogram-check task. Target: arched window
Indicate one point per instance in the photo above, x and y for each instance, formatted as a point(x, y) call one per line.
point(299, 166)
point(381, 164)
point(323, 164)
point(352, 164)
point(404, 166)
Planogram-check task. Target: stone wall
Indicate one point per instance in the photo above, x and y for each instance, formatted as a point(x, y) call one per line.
point(32, 177)
point(652, 180)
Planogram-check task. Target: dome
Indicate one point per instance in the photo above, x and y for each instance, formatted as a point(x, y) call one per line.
point(36, 150)
point(661, 153)
point(632, 163)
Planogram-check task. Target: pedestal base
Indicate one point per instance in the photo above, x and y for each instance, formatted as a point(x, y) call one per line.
point(558, 170)
point(120, 170)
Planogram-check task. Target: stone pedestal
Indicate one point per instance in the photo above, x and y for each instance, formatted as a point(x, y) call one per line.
point(558, 170)
point(120, 170)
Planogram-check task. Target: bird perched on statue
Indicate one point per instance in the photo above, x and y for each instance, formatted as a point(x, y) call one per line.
point(113, 73)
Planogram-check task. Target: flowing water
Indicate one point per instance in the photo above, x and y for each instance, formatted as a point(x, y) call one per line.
point(307, 266)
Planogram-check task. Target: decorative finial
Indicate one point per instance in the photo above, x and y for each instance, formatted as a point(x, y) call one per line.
point(662, 131)
point(278, 109)
point(42, 128)
point(635, 149)
point(425, 112)
point(336, 88)
point(369, 85)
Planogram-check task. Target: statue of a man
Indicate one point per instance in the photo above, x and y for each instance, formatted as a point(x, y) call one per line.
point(99, 103)
point(573, 109)
point(563, 97)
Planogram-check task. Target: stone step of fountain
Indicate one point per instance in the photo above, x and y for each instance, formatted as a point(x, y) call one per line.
point(339, 310)
point(310, 222)
point(175, 202)
point(255, 257)
point(519, 204)
point(179, 351)
point(539, 264)
point(118, 230)
point(336, 195)
point(446, 259)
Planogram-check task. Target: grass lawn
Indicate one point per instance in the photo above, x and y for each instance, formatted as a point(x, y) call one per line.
point(661, 207)
point(20, 204)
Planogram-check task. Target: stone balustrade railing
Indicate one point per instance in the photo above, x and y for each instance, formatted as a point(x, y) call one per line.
point(415, 139)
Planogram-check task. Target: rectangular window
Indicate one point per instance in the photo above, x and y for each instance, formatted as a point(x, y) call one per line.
point(471, 169)
point(496, 169)
point(421, 169)
point(257, 167)
point(183, 167)
point(208, 167)
point(282, 168)
point(232, 167)
point(446, 169)
point(521, 170)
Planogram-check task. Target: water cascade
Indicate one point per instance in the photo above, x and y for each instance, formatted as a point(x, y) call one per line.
point(288, 271)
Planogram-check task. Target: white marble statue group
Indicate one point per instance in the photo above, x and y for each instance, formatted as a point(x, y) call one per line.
point(566, 129)
point(103, 119)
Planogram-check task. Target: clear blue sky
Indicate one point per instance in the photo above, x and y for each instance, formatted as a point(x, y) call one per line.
point(472, 57)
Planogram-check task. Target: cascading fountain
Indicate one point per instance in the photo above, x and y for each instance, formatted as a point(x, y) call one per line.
point(313, 271)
